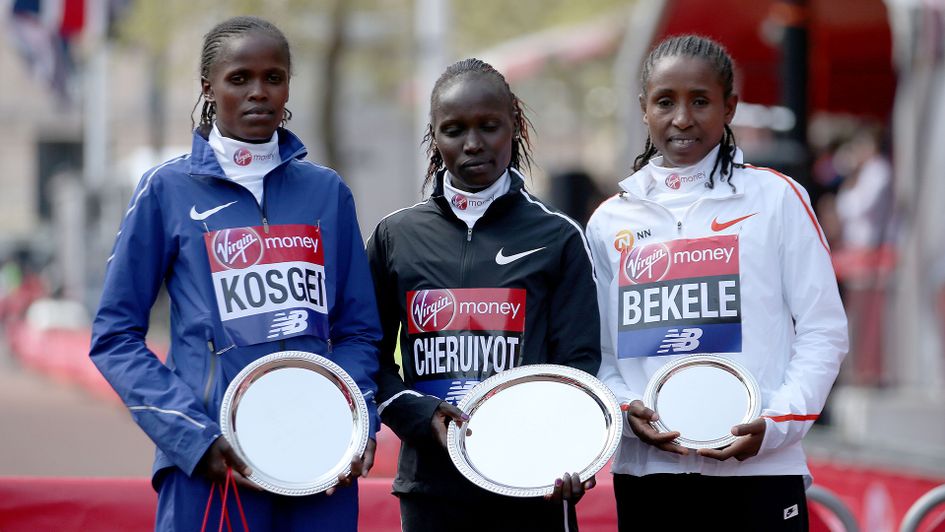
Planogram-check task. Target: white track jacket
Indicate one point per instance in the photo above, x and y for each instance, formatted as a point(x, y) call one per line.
point(744, 274)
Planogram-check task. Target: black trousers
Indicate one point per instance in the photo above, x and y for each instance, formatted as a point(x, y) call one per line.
point(668, 502)
point(425, 513)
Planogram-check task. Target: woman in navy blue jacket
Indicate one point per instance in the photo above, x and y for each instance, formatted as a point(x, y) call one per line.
point(260, 251)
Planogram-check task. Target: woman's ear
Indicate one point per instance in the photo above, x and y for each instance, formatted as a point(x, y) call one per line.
point(643, 107)
point(730, 104)
point(206, 89)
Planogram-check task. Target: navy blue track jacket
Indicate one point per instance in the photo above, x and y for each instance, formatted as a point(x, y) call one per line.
point(162, 240)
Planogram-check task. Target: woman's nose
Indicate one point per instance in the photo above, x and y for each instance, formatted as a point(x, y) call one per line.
point(473, 142)
point(682, 118)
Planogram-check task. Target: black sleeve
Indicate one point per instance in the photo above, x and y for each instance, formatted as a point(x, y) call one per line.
point(574, 331)
point(405, 411)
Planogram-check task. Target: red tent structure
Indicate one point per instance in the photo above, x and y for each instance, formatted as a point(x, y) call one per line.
point(850, 48)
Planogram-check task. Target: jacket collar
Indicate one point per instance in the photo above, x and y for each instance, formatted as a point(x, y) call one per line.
point(516, 183)
point(638, 184)
point(203, 161)
point(516, 186)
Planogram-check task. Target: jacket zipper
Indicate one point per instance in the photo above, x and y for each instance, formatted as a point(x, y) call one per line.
point(262, 208)
point(465, 257)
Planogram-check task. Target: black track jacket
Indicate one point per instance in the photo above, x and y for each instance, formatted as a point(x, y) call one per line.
point(516, 289)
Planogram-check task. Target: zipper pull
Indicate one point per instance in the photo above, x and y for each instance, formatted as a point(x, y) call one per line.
point(265, 224)
point(210, 346)
point(469, 235)
point(679, 226)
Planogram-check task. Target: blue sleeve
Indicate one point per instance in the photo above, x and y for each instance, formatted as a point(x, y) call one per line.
point(355, 326)
point(160, 401)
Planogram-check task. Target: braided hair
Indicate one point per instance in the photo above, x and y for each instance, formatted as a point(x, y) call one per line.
point(521, 143)
point(213, 43)
point(720, 61)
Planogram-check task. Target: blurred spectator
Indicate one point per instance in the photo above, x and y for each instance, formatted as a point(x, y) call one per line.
point(864, 200)
point(575, 193)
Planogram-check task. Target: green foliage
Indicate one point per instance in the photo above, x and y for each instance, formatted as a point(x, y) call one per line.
point(485, 23)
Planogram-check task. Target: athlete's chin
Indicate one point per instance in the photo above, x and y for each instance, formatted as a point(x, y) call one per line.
point(474, 179)
point(257, 132)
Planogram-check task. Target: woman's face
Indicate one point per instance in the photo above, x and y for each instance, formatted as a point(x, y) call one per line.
point(249, 82)
point(685, 109)
point(473, 128)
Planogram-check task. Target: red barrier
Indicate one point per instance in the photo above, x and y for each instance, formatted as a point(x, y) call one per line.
point(108, 504)
point(878, 499)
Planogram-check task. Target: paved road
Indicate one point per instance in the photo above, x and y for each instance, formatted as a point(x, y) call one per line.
point(49, 428)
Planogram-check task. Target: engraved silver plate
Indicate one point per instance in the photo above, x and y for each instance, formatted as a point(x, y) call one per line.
point(703, 397)
point(297, 419)
point(530, 425)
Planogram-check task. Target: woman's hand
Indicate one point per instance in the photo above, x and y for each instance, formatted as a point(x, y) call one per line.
point(570, 488)
point(750, 436)
point(218, 458)
point(441, 417)
point(360, 466)
point(639, 418)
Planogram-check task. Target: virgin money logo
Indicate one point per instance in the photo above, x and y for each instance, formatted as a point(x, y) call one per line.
point(647, 264)
point(237, 248)
point(460, 202)
point(242, 157)
point(433, 310)
point(672, 181)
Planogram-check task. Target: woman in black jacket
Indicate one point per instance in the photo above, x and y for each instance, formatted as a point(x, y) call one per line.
point(479, 278)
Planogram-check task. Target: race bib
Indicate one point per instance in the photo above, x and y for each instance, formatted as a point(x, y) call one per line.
point(269, 286)
point(457, 337)
point(679, 297)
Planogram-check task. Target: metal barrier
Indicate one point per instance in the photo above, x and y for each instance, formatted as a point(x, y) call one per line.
point(828, 500)
point(921, 508)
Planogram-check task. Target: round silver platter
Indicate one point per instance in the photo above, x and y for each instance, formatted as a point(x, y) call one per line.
point(297, 419)
point(702, 397)
point(530, 425)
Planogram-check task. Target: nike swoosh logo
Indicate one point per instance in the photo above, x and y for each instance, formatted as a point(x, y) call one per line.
point(716, 226)
point(502, 260)
point(201, 216)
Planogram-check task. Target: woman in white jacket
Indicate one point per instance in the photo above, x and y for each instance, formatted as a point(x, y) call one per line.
point(700, 253)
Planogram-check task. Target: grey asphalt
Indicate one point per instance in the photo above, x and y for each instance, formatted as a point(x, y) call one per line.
point(50, 428)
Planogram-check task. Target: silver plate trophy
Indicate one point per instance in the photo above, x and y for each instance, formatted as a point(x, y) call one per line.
point(530, 425)
point(297, 419)
point(702, 397)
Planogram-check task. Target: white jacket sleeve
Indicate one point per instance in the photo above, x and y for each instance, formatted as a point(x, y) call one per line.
point(609, 373)
point(820, 342)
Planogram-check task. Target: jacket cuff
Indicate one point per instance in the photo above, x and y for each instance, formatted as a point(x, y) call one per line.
point(192, 458)
point(775, 434)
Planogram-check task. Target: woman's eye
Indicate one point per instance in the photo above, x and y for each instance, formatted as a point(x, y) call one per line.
point(701, 102)
point(664, 102)
point(275, 78)
point(237, 79)
point(451, 131)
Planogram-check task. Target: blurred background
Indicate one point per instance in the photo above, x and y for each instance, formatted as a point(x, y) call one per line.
point(846, 96)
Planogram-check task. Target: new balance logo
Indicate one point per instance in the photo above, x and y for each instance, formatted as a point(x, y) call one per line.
point(680, 342)
point(285, 324)
point(458, 390)
point(791, 511)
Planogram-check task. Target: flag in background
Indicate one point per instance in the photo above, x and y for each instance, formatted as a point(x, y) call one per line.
point(42, 31)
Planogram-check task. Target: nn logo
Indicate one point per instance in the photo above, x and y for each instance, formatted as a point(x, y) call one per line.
point(643, 234)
